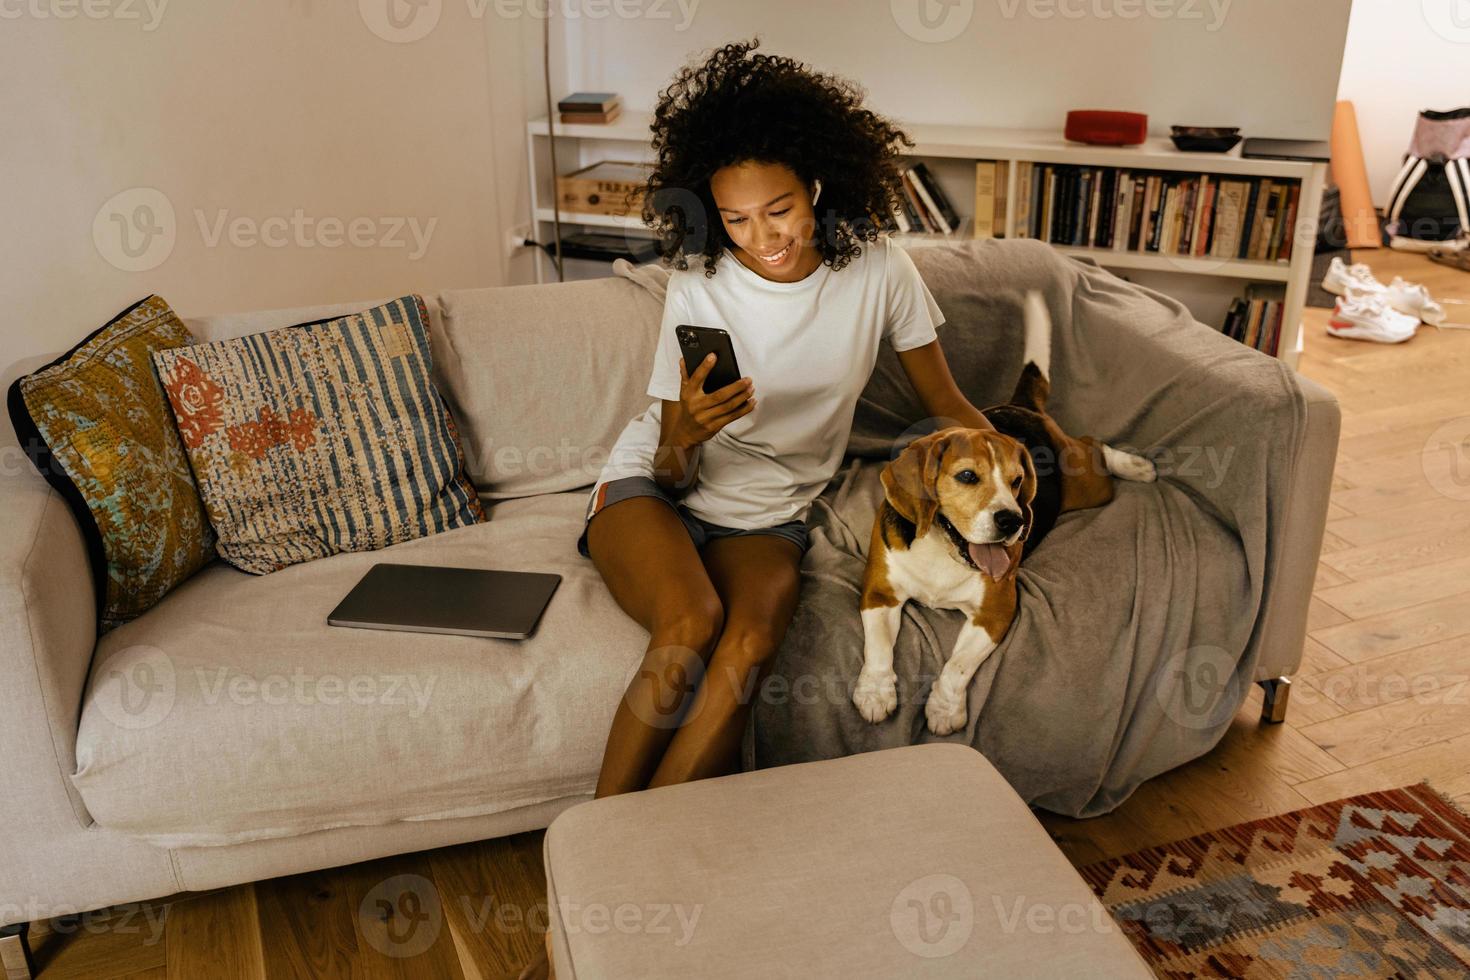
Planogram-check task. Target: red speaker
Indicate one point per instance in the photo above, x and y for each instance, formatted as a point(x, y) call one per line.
point(1104, 128)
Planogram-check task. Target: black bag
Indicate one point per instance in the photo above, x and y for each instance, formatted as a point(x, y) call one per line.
point(1430, 201)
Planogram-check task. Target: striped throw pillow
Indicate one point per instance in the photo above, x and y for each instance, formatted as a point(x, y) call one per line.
point(320, 438)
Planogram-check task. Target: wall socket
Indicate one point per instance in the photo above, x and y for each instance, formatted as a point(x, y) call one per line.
point(518, 237)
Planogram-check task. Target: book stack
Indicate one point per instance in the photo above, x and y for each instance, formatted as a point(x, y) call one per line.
point(1255, 319)
point(924, 207)
point(590, 107)
point(1167, 213)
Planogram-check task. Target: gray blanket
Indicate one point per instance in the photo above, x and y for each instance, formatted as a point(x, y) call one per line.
point(1136, 637)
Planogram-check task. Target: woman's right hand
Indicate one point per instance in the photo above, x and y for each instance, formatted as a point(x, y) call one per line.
point(702, 415)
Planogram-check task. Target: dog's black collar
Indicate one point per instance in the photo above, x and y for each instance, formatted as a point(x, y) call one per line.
point(955, 536)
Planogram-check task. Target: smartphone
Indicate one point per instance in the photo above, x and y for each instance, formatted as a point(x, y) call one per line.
point(699, 342)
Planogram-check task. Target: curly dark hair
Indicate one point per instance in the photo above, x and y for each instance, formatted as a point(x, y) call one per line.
point(737, 107)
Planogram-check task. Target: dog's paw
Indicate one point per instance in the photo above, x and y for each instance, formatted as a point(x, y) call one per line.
point(945, 710)
point(876, 695)
point(1129, 466)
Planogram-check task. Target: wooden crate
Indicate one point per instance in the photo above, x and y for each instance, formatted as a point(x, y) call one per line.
point(610, 187)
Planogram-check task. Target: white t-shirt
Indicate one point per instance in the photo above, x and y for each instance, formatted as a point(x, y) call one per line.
point(809, 348)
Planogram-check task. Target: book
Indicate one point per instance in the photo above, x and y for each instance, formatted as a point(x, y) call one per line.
point(1123, 211)
point(934, 196)
point(1261, 228)
point(1022, 204)
point(1192, 214)
point(1082, 209)
point(1229, 208)
point(1135, 219)
point(1048, 204)
point(906, 208)
point(916, 204)
point(1202, 241)
point(590, 102)
point(1248, 219)
point(1095, 208)
point(1289, 239)
point(900, 220)
point(1002, 196)
point(591, 118)
point(986, 172)
point(1279, 229)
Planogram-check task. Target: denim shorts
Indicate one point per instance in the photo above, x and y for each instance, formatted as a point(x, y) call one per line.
point(700, 530)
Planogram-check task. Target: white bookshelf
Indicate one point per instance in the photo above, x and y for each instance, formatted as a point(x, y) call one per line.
point(628, 138)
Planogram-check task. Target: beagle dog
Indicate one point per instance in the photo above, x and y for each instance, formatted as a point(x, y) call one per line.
point(961, 508)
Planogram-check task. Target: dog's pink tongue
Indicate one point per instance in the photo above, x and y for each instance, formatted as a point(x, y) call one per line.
point(991, 559)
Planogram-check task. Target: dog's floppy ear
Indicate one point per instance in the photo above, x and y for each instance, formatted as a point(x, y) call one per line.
point(910, 482)
point(1028, 486)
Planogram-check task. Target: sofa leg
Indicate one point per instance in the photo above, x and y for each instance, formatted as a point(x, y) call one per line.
point(15, 952)
point(1278, 693)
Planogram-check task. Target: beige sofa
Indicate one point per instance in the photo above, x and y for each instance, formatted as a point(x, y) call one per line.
point(229, 735)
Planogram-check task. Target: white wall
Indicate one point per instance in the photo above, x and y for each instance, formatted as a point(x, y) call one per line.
point(1403, 56)
point(1268, 66)
point(253, 111)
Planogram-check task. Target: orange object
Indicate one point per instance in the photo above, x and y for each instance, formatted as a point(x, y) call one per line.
point(1350, 173)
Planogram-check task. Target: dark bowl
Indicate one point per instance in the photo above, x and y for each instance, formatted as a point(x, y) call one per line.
point(1206, 142)
point(1204, 130)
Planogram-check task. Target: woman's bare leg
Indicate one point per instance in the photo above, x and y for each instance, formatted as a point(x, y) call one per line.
point(646, 557)
point(758, 579)
point(643, 552)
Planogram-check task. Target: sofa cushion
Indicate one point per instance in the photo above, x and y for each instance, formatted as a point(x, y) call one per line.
point(320, 438)
point(232, 712)
point(99, 429)
point(543, 378)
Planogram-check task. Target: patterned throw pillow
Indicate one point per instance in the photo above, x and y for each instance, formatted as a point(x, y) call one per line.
point(98, 427)
point(320, 438)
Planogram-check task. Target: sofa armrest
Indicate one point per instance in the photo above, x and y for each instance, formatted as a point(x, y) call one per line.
point(48, 629)
point(1160, 379)
point(1301, 545)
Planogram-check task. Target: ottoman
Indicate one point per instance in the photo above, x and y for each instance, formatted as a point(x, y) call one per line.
point(911, 862)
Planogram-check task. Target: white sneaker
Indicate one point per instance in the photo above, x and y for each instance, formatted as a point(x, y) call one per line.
point(1366, 316)
point(1341, 277)
point(1414, 300)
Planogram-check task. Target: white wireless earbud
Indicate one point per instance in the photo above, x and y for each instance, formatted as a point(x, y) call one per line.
point(816, 191)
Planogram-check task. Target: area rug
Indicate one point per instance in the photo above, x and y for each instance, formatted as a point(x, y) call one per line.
point(1373, 886)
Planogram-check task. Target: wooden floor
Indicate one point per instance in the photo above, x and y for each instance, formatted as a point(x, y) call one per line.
point(1383, 699)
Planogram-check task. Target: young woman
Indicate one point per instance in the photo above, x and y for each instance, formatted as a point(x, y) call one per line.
point(768, 181)
point(765, 195)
